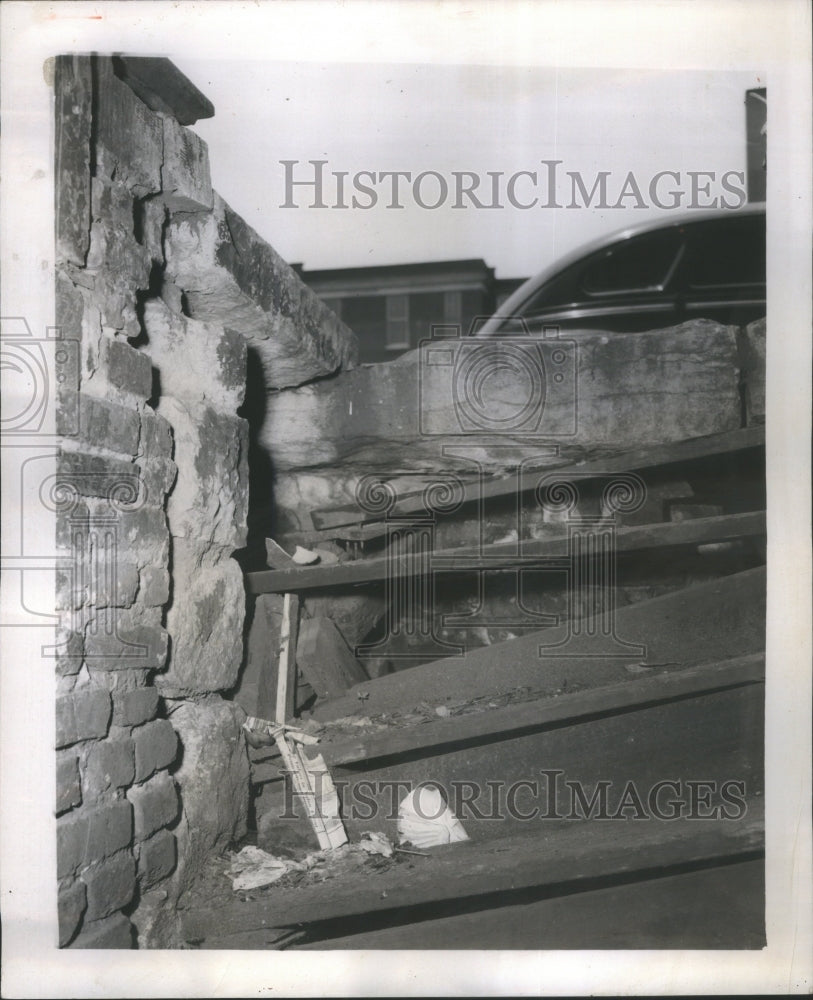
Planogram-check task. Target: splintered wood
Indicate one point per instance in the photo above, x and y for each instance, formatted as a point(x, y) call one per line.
point(310, 779)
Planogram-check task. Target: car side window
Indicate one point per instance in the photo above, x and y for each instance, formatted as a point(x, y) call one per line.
point(642, 264)
point(727, 252)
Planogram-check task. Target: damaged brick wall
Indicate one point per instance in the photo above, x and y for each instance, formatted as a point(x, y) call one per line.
point(168, 295)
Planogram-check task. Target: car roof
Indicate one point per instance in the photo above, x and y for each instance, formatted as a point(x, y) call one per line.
point(532, 285)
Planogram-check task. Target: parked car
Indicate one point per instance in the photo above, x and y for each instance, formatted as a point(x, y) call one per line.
point(645, 277)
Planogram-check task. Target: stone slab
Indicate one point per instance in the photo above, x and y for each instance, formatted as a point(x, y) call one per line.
point(232, 277)
point(627, 391)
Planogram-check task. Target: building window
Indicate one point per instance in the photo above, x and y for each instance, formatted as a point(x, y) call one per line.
point(452, 307)
point(397, 322)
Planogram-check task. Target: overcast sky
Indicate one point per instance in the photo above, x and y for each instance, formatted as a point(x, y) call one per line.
point(445, 118)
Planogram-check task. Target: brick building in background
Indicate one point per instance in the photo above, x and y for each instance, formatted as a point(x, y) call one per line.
point(391, 308)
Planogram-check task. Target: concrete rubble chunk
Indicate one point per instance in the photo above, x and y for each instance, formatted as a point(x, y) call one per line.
point(232, 277)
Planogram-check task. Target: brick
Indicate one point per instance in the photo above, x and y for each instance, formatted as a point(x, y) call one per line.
point(96, 476)
point(68, 652)
point(156, 746)
point(71, 843)
point(108, 425)
point(119, 267)
point(73, 93)
point(75, 514)
point(92, 834)
point(112, 932)
point(159, 478)
point(156, 435)
point(143, 647)
point(145, 533)
point(156, 859)
point(128, 368)
point(73, 589)
point(131, 708)
point(68, 785)
point(154, 590)
point(108, 765)
point(126, 584)
point(185, 178)
point(155, 804)
point(71, 906)
point(110, 885)
point(129, 137)
point(112, 202)
point(82, 716)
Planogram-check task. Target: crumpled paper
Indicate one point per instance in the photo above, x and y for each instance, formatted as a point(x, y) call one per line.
point(425, 820)
point(252, 868)
point(375, 843)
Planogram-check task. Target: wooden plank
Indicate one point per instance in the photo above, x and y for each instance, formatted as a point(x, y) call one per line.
point(557, 860)
point(535, 716)
point(630, 461)
point(505, 555)
point(286, 672)
point(499, 787)
point(721, 908)
point(704, 623)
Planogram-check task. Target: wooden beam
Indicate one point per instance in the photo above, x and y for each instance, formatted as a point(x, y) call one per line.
point(504, 555)
point(534, 716)
point(630, 461)
point(286, 672)
point(556, 859)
